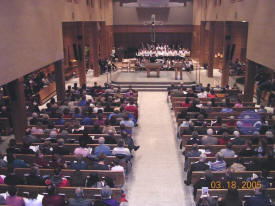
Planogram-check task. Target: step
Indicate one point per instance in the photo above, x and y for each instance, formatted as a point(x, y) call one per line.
point(144, 86)
point(150, 83)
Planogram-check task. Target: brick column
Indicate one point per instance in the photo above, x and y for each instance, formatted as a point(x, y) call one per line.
point(82, 66)
point(60, 80)
point(249, 81)
point(211, 49)
point(95, 49)
point(226, 53)
point(18, 108)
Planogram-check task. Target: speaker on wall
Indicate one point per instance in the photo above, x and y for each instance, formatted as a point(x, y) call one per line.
point(227, 52)
point(79, 53)
point(75, 51)
point(232, 51)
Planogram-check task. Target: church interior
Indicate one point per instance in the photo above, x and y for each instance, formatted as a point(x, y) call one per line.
point(137, 102)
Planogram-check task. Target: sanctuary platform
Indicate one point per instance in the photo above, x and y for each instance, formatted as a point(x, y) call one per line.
point(139, 80)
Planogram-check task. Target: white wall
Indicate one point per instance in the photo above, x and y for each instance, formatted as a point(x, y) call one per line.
point(31, 32)
point(261, 24)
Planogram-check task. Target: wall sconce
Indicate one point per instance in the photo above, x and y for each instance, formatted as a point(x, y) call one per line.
point(218, 55)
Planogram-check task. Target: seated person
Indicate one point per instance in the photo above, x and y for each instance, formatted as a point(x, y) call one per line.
point(82, 149)
point(228, 152)
point(60, 120)
point(60, 148)
point(12, 178)
point(52, 198)
point(15, 162)
point(219, 164)
point(102, 148)
point(196, 166)
point(205, 182)
point(100, 164)
point(247, 151)
point(106, 195)
point(79, 199)
point(13, 199)
point(258, 200)
point(194, 152)
point(79, 163)
point(209, 139)
point(34, 178)
point(121, 150)
point(57, 179)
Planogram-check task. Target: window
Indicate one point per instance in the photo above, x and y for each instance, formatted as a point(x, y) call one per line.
point(92, 3)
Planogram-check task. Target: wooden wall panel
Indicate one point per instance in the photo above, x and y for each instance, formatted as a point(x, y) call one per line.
point(134, 40)
point(132, 36)
point(196, 42)
point(161, 28)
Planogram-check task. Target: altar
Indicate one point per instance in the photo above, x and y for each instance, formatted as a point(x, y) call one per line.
point(153, 67)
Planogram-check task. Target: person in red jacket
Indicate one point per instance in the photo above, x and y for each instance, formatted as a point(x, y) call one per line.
point(131, 107)
point(186, 103)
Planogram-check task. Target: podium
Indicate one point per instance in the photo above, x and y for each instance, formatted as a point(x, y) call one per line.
point(153, 67)
point(178, 68)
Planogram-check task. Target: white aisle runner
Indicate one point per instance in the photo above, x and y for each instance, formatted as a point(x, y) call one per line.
point(156, 179)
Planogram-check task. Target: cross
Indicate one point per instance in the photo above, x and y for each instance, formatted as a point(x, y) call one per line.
point(153, 23)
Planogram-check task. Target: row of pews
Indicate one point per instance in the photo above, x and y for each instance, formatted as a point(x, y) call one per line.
point(176, 102)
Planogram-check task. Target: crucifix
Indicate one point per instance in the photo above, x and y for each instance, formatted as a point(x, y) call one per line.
point(153, 24)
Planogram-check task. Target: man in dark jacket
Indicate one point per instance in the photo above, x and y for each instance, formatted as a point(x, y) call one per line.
point(197, 166)
point(60, 149)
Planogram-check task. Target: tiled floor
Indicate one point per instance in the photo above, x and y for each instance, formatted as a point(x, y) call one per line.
point(157, 174)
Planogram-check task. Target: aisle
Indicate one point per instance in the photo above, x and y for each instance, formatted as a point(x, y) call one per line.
point(156, 176)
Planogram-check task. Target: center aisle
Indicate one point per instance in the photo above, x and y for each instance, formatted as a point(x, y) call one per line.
point(156, 178)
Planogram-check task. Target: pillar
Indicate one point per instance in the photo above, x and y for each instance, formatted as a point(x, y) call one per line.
point(226, 54)
point(18, 108)
point(211, 49)
point(82, 66)
point(60, 80)
point(249, 81)
point(95, 49)
point(195, 42)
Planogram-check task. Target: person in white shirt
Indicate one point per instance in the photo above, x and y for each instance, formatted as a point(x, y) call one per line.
point(121, 150)
point(34, 199)
point(117, 167)
point(202, 94)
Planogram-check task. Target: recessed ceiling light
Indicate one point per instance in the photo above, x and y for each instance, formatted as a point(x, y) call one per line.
point(244, 21)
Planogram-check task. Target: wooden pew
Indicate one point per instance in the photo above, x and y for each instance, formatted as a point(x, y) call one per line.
point(182, 99)
point(217, 109)
point(89, 127)
point(92, 193)
point(229, 91)
point(208, 120)
point(212, 115)
point(73, 146)
point(186, 137)
point(228, 160)
point(217, 148)
point(75, 136)
point(245, 104)
point(118, 177)
point(30, 158)
point(242, 193)
point(47, 93)
point(5, 125)
point(196, 175)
